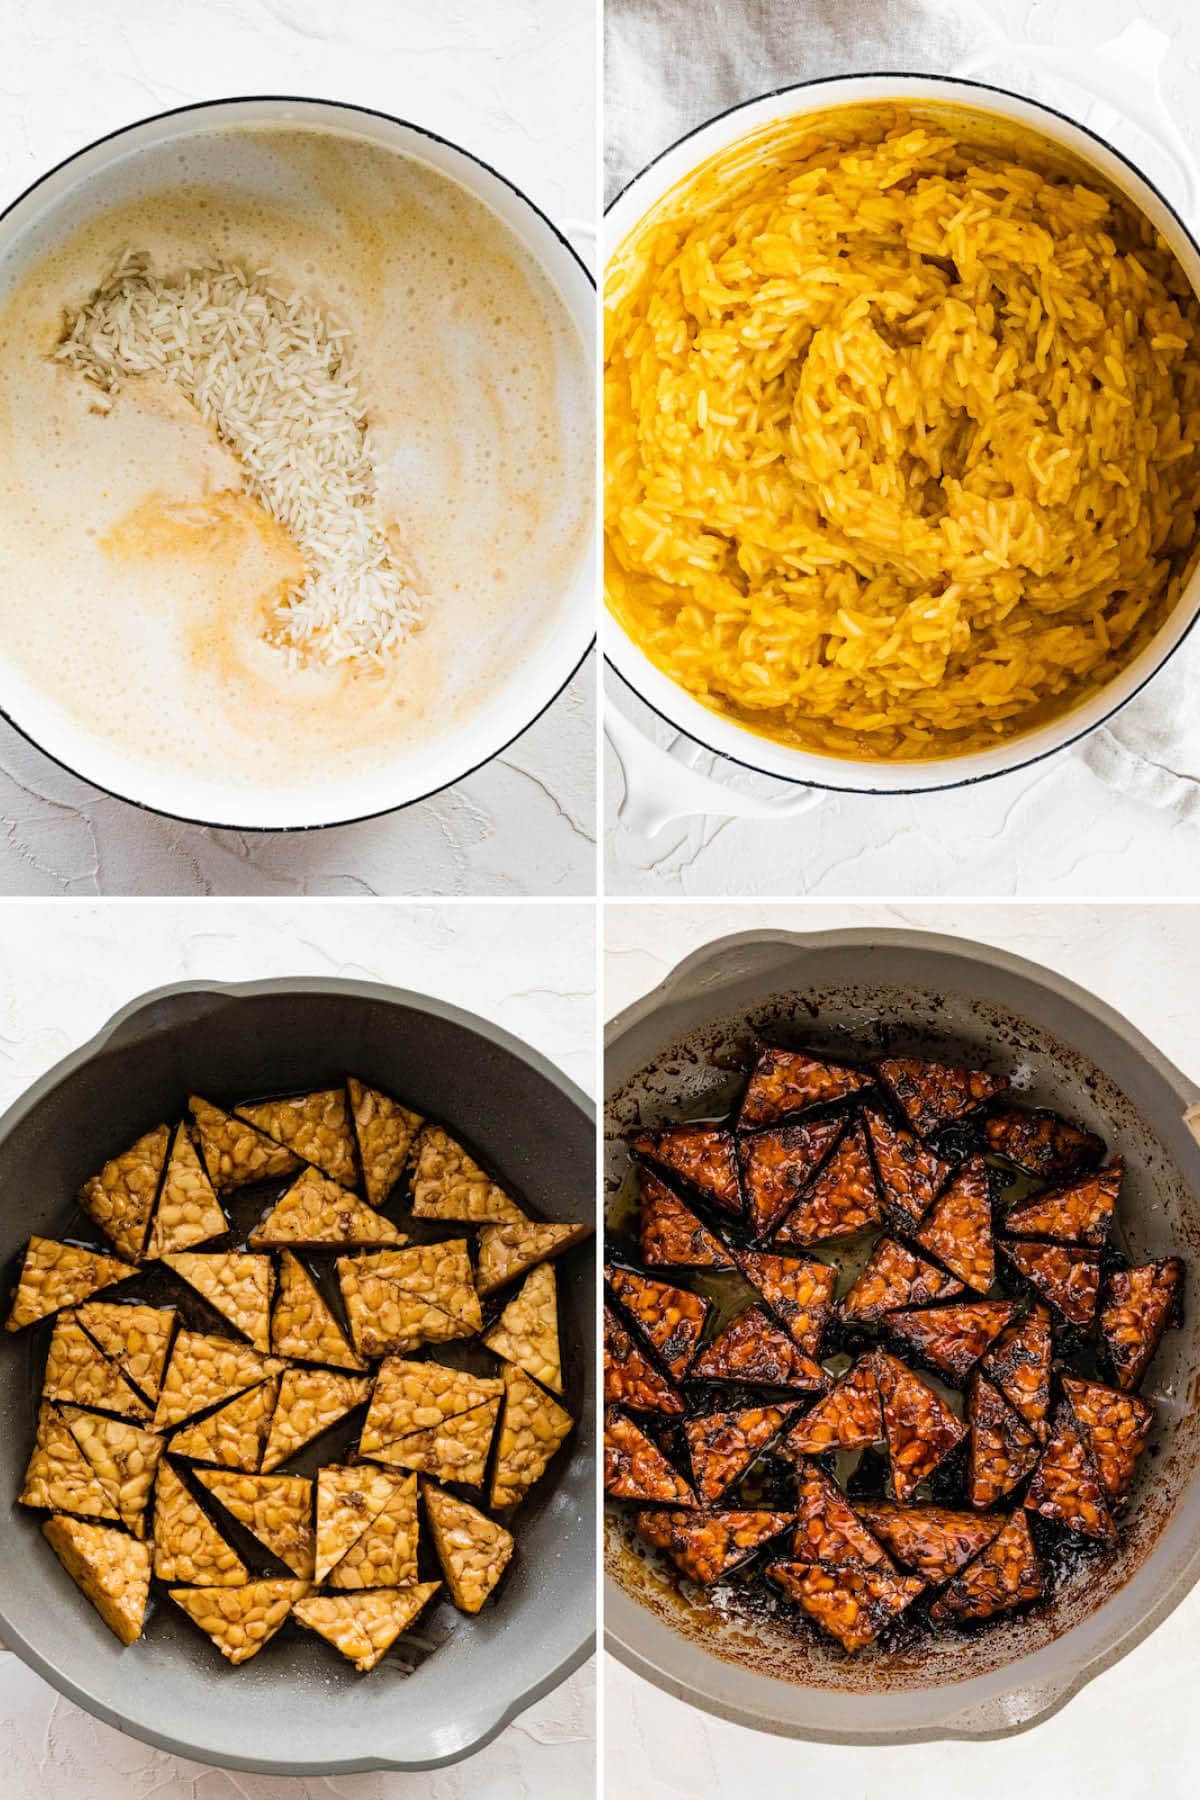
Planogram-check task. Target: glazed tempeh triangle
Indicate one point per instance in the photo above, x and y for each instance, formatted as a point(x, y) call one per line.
point(527, 1330)
point(1139, 1304)
point(110, 1567)
point(919, 1428)
point(952, 1338)
point(59, 1476)
point(234, 1153)
point(785, 1081)
point(240, 1620)
point(1005, 1575)
point(933, 1540)
point(958, 1227)
point(933, 1094)
point(844, 1198)
point(778, 1165)
point(121, 1197)
point(316, 1211)
point(54, 1276)
point(798, 1290)
point(910, 1174)
point(385, 1132)
point(310, 1402)
point(1116, 1426)
point(234, 1435)
point(473, 1550)
point(848, 1418)
point(704, 1546)
point(449, 1184)
point(670, 1318)
point(636, 1469)
point(752, 1349)
point(702, 1158)
point(203, 1371)
point(315, 1126)
point(1042, 1144)
point(506, 1251)
point(188, 1211)
point(1066, 1485)
point(533, 1428)
point(852, 1604)
point(672, 1236)
point(1004, 1447)
point(630, 1379)
point(236, 1285)
point(1068, 1279)
point(1080, 1214)
point(124, 1458)
point(302, 1326)
point(276, 1509)
point(136, 1338)
point(894, 1277)
point(364, 1626)
point(1019, 1364)
point(187, 1545)
point(77, 1370)
point(828, 1530)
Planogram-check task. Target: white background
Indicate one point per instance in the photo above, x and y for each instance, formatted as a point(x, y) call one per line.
point(1053, 829)
point(64, 969)
point(1132, 1732)
point(511, 80)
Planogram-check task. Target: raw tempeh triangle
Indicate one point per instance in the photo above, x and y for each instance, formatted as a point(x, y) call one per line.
point(1019, 1364)
point(385, 1554)
point(456, 1450)
point(848, 1418)
point(828, 1530)
point(1003, 1447)
point(136, 1338)
point(449, 1184)
point(234, 1153)
point(933, 1094)
point(187, 1545)
point(1116, 1426)
point(798, 1290)
point(852, 1604)
point(785, 1081)
point(671, 1234)
point(188, 1211)
point(843, 1200)
point(203, 1371)
point(77, 1370)
point(636, 1469)
point(934, 1541)
point(1080, 1214)
point(958, 1229)
point(704, 1546)
point(777, 1166)
point(123, 1457)
point(894, 1277)
point(236, 1285)
point(527, 1330)
point(1068, 1279)
point(316, 1211)
point(240, 1620)
point(630, 1379)
point(671, 1319)
point(276, 1509)
point(533, 1428)
point(473, 1550)
point(910, 1174)
point(121, 1197)
point(59, 1476)
point(1066, 1485)
point(302, 1326)
point(234, 1435)
point(385, 1132)
point(109, 1567)
point(349, 1498)
point(1139, 1304)
point(722, 1445)
point(952, 1338)
point(1004, 1576)
point(397, 1299)
point(55, 1275)
point(417, 1396)
point(315, 1126)
point(918, 1426)
point(364, 1626)
point(1042, 1144)
point(310, 1402)
point(754, 1350)
point(506, 1251)
point(701, 1156)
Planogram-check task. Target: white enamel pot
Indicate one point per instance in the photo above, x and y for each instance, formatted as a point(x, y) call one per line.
point(143, 157)
point(663, 786)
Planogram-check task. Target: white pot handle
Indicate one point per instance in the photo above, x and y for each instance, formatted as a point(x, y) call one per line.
point(662, 785)
point(1124, 76)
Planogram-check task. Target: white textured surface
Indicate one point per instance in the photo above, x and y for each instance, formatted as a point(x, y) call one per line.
point(63, 971)
point(1130, 1733)
point(1052, 829)
point(511, 80)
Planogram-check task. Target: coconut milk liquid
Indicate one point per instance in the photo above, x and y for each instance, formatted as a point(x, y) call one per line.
point(135, 601)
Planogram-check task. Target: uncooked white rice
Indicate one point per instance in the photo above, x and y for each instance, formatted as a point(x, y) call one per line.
point(272, 375)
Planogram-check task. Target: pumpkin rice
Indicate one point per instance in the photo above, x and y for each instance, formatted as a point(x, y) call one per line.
point(900, 435)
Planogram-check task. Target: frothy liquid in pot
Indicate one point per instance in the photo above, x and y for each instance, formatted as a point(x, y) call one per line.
point(136, 577)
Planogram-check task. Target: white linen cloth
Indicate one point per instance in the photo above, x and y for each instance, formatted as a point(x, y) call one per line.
point(672, 64)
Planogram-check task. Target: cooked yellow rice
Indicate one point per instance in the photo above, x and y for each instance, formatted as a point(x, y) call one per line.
point(900, 434)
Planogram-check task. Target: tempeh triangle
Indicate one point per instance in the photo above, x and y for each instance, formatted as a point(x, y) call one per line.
point(136, 1338)
point(234, 1435)
point(894, 1277)
point(473, 1550)
point(843, 1200)
point(672, 1236)
point(449, 1184)
point(236, 1285)
point(704, 1546)
point(59, 1476)
point(1019, 1364)
point(533, 1427)
point(124, 1458)
point(1004, 1576)
point(828, 1530)
point(120, 1198)
point(310, 1402)
point(385, 1132)
point(1066, 1485)
point(417, 1396)
point(722, 1445)
point(302, 1326)
point(385, 1554)
point(1042, 1144)
point(798, 1289)
point(276, 1509)
point(754, 1350)
point(934, 1541)
point(852, 1604)
point(240, 1620)
point(910, 1174)
point(1068, 1279)
point(848, 1418)
point(777, 1166)
point(918, 1426)
point(703, 1157)
point(952, 1338)
point(55, 1275)
point(509, 1250)
point(671, 1319)
point(1003, 1447)
point(786, 1081)
point(1080, 1214)
point(316, 1211)
point(203, 1371)
point(188, 1211)
point(630, 1379)
point(958, 1229)
point(636, 1469)
point(527, 1330)
point(933, 1094)
point(234, 1153)
point(1139, 1304)
point(456, 1450)
point(187, 1545)
point(109, 1567)
point(77, 1370)
point(349, 1498)
point(364, 1626)
point(315, 1126)
point(1116, 1426)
